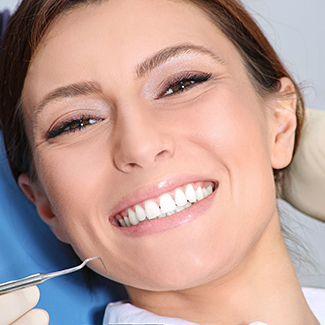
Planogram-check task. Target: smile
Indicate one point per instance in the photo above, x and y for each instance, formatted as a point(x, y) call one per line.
point(165, 205)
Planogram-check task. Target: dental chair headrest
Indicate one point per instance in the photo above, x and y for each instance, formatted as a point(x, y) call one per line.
point(305, 189)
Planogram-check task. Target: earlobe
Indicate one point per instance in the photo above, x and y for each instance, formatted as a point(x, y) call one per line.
point(285, 119)
point(33, 192)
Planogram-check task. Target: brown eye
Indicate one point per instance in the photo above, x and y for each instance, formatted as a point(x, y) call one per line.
point(181, 86)
point(79, 124)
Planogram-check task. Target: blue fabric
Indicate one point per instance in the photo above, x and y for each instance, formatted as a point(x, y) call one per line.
point(4, 20)
point(28, 246)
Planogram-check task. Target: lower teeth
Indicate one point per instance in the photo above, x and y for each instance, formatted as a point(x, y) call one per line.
point(178, 209)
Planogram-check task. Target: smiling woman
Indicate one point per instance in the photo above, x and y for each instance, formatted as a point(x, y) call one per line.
point(153, 134)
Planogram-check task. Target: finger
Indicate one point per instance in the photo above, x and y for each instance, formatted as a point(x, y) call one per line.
point(15, 304)
point(34, 317)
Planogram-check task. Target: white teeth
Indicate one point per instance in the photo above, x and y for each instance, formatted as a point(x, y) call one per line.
point(168, 206)
point(122, 222)
point(199, 193)
point(167, 203)
point(127, 221)
point(171, 213)
point(187, 205)
point(141, 215)
point(180, 198)
point(132, 217)
point(205, 192)
point(152, 209)
point(190, 193)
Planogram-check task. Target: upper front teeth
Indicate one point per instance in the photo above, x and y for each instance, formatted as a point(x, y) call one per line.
point(167, 205)
point(190, 193)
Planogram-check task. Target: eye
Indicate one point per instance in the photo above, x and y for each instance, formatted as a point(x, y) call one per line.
point(71, 125)
point(184, 82)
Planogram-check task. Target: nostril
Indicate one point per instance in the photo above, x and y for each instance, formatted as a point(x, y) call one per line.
point(132, 165)
point(161, 154)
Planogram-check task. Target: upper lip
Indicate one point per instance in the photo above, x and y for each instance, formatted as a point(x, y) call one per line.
point(151, 191)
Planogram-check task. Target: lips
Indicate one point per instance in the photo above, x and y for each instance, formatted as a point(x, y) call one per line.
point(165, 205)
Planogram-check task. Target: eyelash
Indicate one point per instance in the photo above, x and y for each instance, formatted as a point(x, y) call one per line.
point(184, 82)
point(72, 125)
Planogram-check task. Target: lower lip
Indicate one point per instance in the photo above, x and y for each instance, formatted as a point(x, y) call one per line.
point(158, 225)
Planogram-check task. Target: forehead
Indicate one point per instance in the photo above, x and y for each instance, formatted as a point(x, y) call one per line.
point(111, 37)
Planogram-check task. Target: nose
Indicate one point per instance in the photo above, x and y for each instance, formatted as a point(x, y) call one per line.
point(141, 141)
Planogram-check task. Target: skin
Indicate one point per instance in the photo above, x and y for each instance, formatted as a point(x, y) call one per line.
point(231, 253)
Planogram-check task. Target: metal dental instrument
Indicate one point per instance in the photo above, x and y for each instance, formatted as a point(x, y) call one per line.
point(39, 278)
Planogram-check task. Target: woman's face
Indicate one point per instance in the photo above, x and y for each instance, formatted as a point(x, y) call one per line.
point(127, 101)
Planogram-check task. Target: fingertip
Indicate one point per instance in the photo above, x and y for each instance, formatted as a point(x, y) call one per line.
point(41, 317)
point(32, 295)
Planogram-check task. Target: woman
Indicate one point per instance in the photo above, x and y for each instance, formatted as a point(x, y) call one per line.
point(150, 133)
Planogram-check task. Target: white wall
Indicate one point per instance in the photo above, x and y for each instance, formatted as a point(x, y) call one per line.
point(8, 4)
point(297, 30)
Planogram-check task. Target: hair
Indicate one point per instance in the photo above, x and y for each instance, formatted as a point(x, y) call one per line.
point(32, 20)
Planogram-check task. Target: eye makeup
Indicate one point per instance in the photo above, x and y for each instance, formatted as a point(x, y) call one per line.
point(183, 82)
point(72, 125)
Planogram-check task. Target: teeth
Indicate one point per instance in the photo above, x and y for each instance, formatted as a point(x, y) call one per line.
point(167, 203)
point(199, 193)
point(180, 198)
point(152, 209)
point(141, 215)
point(122, 223)
point(187, 205)
point(127, 221)
point(132, 217)
point(168, 206)
point(190, 193)
point(205, 192)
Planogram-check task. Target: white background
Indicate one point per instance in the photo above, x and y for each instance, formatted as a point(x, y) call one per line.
point(297, 30)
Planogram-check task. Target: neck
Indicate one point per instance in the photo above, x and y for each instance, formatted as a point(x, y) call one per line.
point(263, 287)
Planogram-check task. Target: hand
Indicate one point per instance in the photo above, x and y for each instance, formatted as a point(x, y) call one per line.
point(16, 308)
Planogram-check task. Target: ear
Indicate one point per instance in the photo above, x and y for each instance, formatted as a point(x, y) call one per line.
point(284, 117)
point(39, 198)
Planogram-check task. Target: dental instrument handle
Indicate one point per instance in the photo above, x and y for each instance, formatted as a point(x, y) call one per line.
point(39, 278)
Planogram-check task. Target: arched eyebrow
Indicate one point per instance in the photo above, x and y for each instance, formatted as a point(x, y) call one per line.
point(168, 53)
point(73, 90)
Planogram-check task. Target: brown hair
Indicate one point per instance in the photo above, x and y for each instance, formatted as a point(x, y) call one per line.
point(33, 18)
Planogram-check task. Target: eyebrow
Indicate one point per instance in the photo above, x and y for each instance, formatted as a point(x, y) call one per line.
point(142, 69)
point(73, 90)
point(169, 53)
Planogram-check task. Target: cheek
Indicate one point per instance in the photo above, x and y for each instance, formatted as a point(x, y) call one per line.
point(231, 127)
point(70, 173)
